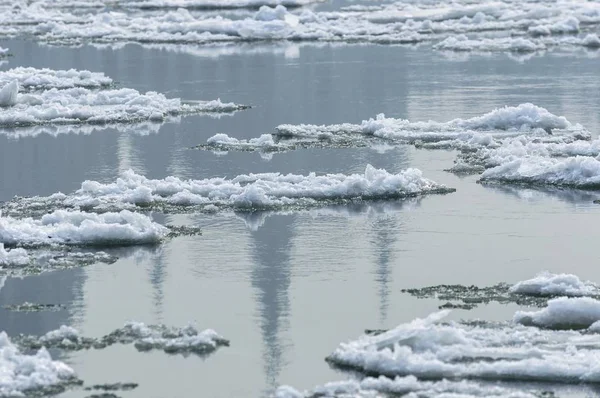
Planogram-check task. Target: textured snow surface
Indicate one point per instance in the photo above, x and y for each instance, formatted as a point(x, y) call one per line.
point(456, 26)
point(32, 78)
point(80, 228)
point(246, 191)
point(563, 313)
point(13, 258)
point(548, 284)
point(426, 348)
point(20, 373)
point(375, 387)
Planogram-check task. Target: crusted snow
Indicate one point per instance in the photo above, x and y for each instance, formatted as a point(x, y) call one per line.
point(376, 386)
point(460, 25)
point(21, 374)
point(549, 284)
point(13, 258)
point(563, 312)
point(82, 105)
point(426, 348)
point(80, 228)
point(246, 191)
point(32, 78)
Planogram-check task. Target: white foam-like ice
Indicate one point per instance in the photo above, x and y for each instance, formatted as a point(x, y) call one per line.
point(462, 43)
point(426, 348)
point(13, 258)
point(32, 78)
point(579, 171)
point(549, 284)
point(376, 386)
point(212, 4)
point(563, 312)
point(20, 373)
point(81, 105)
point(247, 191)
point(80, 228)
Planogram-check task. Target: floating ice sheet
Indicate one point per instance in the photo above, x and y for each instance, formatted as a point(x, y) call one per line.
point(549, 284)
point(563, 313)
point(22, 374)
point(383, 386)
point(212, 4)
point(32, 78)
point(13, 258)
point(79, 228)
point(85, 106)
point(144, 338)
point(426, 348)
point(245, 192)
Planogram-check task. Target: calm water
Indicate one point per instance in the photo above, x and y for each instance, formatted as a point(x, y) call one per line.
point(288, 288)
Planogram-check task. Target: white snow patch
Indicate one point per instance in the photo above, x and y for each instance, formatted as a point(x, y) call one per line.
point(563, 312)
point(80, 228)
point(33, 78)
point(13, 258)
point(548, 284)
point(8, 94)
point(21, 373)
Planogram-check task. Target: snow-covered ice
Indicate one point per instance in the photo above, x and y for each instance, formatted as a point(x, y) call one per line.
point(13, 258)
point(21, 374)
point(32, 78)
point(549, 284)
point(244, 192)
point(213, 4)
point(79, 228)
point(563, 313)
point(427, 348)
point(384, 386)
point(81, 105)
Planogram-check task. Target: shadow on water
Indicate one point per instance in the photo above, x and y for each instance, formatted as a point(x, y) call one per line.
point(536, 193)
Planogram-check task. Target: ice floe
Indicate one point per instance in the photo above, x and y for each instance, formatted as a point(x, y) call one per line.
point(384, 386)
point(245, 192)
point(81, 105)
point(37, 79)
point(25, 374)
point(549, 284)
point(144, 337)
point(13, 258)
point(427, 348)
point(63, 227)
point(563, 313)
point(212, 4)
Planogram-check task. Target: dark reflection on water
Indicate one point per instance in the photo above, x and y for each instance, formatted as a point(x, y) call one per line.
point(271, 277)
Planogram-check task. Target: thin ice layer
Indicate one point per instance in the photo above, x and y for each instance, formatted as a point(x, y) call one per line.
point(212, 4)
point(244, 192)
point(36, 79)
point(549, 284)
point(563, 313)
point(428, 349)
point(22, 374)
point(79, 228)
point(81, 105)
point(375, 387)
point(144, 338)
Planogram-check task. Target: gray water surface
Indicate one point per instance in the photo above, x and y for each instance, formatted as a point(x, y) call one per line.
point(287, 288)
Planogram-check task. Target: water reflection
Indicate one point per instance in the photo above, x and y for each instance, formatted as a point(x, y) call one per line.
point(538, 193)
point(271, 278)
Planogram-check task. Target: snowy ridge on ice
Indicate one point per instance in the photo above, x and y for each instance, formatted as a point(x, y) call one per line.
point(375, 387)
point(79, 228)
point(458, 26)
point(32, 78)
point(21, 374)
point(426, 348)
point(549, 284)
point(563, 313)
point(213, 4)
point(81, 105)
point(144, 338)
point(244, 192)
point(13, 258)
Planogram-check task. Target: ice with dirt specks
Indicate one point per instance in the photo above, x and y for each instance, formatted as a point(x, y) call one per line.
point(427, 348)
point(563, 313)
point(244, 192)
point(549, 284)
point(79, 228)
point(20, 373)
